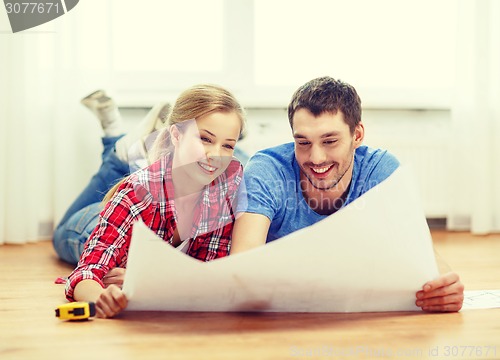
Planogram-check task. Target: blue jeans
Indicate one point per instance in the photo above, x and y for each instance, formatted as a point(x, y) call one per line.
point(82, 216)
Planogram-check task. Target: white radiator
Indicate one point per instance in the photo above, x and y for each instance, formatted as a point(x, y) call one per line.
point(418, 138)
point(429, 162)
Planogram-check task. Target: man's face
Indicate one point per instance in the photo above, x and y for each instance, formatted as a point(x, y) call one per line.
point(324, 149)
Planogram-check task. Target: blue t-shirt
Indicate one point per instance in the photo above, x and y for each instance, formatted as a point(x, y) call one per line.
point(272, 179)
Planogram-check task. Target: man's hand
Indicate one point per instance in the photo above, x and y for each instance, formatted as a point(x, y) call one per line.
point(110, 302)
point(444, 294)
point(114, 276)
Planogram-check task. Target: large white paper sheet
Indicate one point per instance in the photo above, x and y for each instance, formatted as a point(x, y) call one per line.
point(373, 255)
point(481, 299)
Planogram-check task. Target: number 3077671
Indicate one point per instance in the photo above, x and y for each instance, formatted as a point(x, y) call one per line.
point(32, 8)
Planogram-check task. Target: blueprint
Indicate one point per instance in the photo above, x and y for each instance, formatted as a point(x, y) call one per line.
point(372, 255)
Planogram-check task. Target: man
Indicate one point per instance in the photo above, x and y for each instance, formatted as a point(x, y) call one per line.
point(295, 185)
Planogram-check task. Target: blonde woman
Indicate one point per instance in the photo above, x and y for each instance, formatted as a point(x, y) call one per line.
point(186, 196)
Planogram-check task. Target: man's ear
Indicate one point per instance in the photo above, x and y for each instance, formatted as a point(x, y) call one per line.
point(359, 134)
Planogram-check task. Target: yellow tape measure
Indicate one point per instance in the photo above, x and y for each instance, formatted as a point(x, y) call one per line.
point(75, 310)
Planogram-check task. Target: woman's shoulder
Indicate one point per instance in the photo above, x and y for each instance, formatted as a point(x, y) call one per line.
point(151, 179)
point(233, 173)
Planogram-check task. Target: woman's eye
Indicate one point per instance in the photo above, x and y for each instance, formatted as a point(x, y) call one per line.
point(230, 147)
point(205, 139)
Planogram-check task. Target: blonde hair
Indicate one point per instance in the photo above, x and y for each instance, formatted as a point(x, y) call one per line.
point(195, 102)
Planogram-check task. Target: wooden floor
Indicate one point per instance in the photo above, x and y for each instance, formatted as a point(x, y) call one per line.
point(29, 329)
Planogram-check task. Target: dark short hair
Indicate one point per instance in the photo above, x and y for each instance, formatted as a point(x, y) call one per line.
point(326, 94)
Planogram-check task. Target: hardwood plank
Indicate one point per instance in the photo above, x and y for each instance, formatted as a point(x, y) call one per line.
point(475, 258)
point(29, 329)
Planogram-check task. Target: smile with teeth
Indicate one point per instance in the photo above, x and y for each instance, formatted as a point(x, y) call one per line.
point(321, 170)
point(207, 167)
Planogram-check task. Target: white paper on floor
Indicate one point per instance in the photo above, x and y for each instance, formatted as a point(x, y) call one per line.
point(373, 255)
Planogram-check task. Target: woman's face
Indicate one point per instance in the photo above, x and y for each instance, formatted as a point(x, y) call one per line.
point(204, 148)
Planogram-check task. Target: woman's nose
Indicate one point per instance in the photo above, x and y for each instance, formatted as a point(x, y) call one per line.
point(212, 152)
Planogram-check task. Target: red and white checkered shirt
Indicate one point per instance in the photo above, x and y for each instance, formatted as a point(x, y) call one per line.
point(147, 195)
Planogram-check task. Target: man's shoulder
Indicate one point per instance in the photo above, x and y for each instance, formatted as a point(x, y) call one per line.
point(375, 164)
point(283, 154)
point(277, 161)
point(371, 155)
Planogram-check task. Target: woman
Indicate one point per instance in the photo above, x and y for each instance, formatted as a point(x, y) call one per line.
point(186, 196)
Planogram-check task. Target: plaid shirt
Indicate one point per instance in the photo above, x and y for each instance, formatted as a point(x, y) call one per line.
point(148, 195)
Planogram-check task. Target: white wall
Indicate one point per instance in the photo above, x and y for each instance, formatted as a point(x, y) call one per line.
point(78, 53)
point(419, 138)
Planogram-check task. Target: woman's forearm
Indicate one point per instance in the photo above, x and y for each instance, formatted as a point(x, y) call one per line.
point(87, 290)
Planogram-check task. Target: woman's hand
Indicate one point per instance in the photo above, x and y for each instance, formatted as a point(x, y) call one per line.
point(114, 276)
point(444, 294)
point(110, 302)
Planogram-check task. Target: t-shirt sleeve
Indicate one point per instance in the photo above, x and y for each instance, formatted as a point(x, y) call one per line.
point(261, 187)
point(381, 164)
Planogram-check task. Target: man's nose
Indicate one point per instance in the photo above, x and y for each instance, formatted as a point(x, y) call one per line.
point(317, 155)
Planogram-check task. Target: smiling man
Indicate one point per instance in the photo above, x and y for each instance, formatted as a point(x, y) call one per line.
point(295, 185)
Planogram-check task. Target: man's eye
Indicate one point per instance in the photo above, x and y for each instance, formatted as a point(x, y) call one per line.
point(303, 143)
point(330, 142)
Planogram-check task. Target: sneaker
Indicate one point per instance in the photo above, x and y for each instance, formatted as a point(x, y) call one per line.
point(105, 109)
point(135, 146)
point(89, 99)
point(154, 120)
point(163, 114)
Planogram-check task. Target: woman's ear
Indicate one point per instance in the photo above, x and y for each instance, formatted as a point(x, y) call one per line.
point(174, 135)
